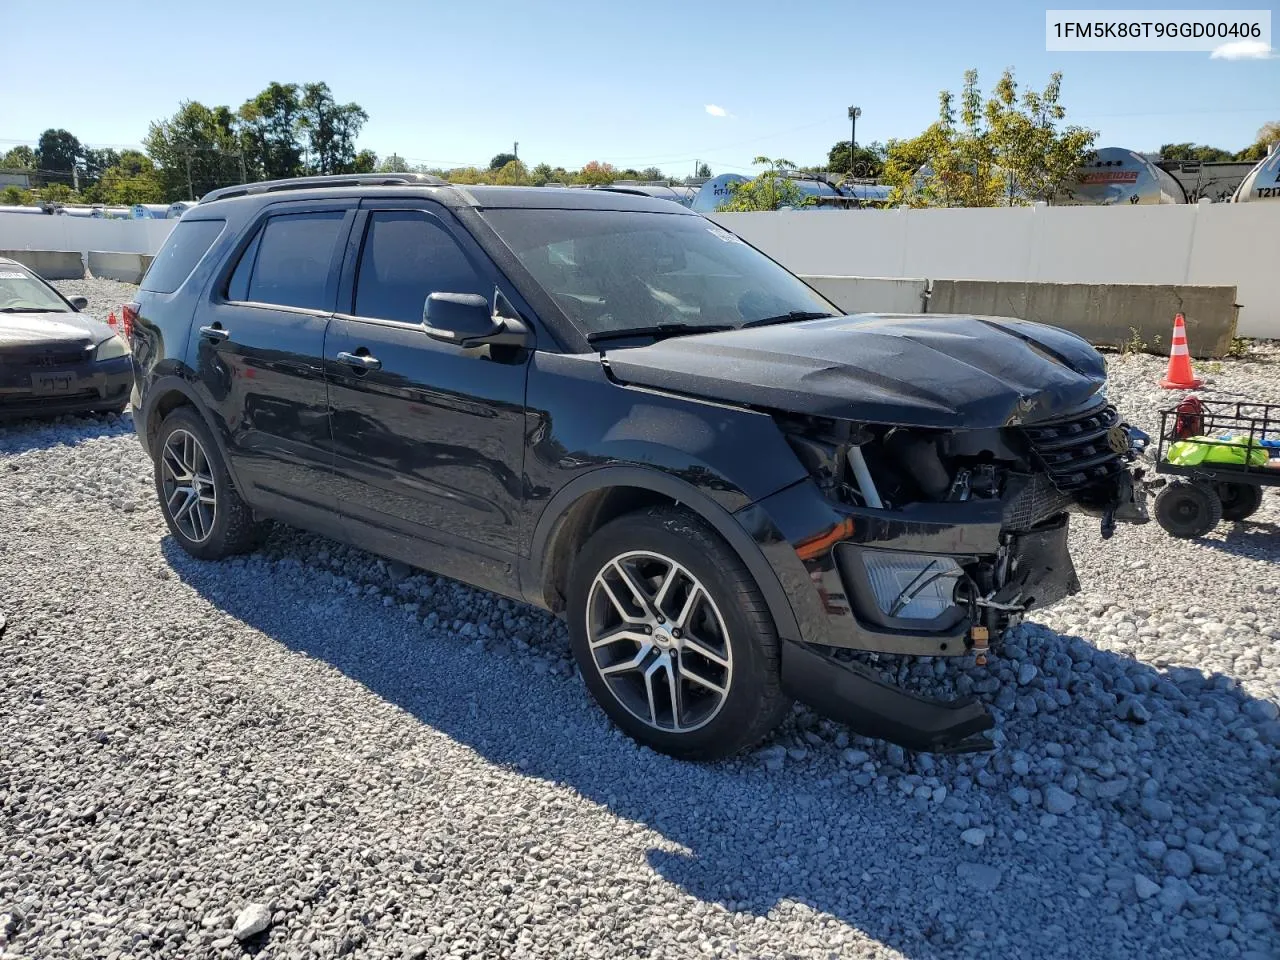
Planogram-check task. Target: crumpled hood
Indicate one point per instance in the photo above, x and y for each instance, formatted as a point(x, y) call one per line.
point(50, 329)
point(927, 370)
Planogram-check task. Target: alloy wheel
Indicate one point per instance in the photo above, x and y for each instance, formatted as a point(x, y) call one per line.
point(187, 480)
point(658, 641)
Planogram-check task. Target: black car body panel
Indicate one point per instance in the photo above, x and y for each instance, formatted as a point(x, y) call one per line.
point(487, 463)
point(937, 371)
point(48, 364)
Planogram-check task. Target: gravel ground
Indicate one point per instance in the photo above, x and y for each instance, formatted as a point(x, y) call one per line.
point(329, 755)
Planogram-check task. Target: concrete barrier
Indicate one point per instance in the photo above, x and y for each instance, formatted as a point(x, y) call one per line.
point(126, 267)
point(50, 264)
point(873, 294)
point(1105, 314)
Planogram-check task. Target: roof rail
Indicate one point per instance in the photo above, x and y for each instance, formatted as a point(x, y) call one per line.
point(335, 180)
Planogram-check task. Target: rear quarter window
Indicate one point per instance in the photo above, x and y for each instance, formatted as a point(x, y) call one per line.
point(188, 242)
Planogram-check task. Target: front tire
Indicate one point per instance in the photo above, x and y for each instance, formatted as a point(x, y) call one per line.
point(673, 638)
point(201, 507)
point(1188, 510)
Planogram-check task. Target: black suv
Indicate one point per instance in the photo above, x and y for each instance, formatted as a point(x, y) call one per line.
point(612, 408)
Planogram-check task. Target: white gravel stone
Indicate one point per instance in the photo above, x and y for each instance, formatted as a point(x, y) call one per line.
point(251, 921)
point(266, 729)
point(974, 836)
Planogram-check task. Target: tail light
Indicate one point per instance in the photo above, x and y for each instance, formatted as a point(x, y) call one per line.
point(129, 313)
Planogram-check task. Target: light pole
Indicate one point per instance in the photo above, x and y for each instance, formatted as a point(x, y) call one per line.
point(854, 114)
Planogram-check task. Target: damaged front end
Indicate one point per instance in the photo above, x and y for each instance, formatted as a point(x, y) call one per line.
point(934, 542)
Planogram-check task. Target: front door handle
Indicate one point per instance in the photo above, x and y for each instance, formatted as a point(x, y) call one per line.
point(360, 361)
point(217, 333)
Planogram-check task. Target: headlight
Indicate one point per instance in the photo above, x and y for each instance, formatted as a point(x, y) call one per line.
point(110, 349)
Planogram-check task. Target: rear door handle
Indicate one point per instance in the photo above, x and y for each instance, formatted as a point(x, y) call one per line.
point(361, 361)
point(215, 333)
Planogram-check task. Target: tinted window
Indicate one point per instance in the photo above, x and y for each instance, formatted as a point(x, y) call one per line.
point(188, 242)
point(295, 254)
point(238, 285)
point(406, 257)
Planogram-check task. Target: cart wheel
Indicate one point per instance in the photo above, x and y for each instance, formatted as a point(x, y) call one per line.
point(1188, 509)
point(1239, 500)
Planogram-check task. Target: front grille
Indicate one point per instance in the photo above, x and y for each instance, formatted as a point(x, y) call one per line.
point(49, 358)
point(1076, 453)
point(1034, 503)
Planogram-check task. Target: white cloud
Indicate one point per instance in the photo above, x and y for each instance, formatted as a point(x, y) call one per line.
point(1239, 50)
point(717, 111)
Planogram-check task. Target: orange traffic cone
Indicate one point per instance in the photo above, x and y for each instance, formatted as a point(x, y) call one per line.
point(1179, 375)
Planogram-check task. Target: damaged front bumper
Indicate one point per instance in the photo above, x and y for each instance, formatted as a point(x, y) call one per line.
point(924, 579)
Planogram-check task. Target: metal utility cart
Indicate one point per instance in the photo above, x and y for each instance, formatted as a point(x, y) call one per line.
point(1220, 453)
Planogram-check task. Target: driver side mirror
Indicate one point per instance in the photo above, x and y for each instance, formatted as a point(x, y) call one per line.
point(467, 320)
point(79, 303)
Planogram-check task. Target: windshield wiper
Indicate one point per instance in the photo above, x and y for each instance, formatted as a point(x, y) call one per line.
point(659, 330)
point(29, 310)
point(791, 317)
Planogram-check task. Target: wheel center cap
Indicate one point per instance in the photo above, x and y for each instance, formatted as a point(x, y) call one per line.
point(662, 638)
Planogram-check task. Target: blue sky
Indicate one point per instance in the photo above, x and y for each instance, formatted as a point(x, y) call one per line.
point(455, 83)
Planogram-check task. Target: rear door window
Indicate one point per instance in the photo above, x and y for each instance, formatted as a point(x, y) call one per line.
point(187, 243)
point(294, 261)
point(407, 256)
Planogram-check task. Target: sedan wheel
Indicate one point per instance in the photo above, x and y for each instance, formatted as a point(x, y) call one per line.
point(189, 495)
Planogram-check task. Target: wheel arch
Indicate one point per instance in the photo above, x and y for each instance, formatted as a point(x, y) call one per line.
point(163, 397)
point(589, 501)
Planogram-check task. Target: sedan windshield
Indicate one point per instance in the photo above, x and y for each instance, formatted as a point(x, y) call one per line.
point(632, 272)
point(22, 293)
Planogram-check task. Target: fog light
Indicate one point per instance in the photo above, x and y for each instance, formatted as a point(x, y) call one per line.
point(912, 586)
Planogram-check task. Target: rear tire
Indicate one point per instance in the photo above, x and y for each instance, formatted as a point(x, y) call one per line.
point(1188, 510)
point(200, 504)
point(694, 671)
point(1239, 500)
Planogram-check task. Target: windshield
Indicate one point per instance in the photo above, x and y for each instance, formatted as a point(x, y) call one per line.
point(613, 271)
point(22, 293)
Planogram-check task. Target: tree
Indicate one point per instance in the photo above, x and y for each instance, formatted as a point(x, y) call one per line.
point(57, 155)
point(770, 190)
point(513, 173)
point(15, 197)
point(131, 180)
point(366, 161)
point(19, 158)
point(868, 160)
point(501, 160)
point(1008, 150)
point(596, 172)
point(540, 174)
point(1267, 134)
point(704, 170)
point(651, 173)
point(1194, 151)
point(331, 130)
point(195, 151)
point(393, 164)
point(268, 128)
point(95, 162)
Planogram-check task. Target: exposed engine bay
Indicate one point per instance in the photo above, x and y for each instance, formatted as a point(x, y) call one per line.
point(1016, 485)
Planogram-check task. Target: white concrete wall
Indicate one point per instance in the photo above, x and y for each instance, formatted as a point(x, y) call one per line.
point(20, 231)
point(1220, 244)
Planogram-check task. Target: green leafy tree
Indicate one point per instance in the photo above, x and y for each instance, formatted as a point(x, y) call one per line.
point(131, 180)
point(1268, 134)
point(58, 155)
point(1010, 149)
point(331, 129)
point(268, 132)
point(501, 160)
point(770, 190)
point(195, 151)
point(540, 174)
point(1194, 151)
point(393, 164)
point(12, 196)
point(19, 158)
point(512, 174)
point(868, 160)
point(597, 173)
point(57, 193)
point(704, 170)
point(651, 173)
